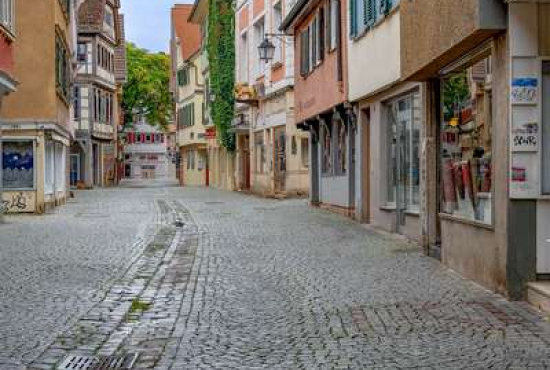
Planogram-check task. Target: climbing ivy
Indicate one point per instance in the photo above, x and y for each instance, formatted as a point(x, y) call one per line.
point(221, 59)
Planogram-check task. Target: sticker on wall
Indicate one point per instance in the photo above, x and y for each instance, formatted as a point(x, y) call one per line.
point(523, 176)
point(524, 90)
point(525, 137)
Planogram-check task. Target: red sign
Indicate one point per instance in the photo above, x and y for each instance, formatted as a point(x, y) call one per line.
point(210, 133)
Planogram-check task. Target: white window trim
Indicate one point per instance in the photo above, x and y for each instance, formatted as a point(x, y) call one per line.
point(7, 16)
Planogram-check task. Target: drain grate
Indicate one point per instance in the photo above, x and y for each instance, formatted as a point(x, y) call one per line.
point(124, 362)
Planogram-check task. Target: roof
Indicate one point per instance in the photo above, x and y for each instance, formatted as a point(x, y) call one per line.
point(295, 13)
point(199, 11)
point(186, 33)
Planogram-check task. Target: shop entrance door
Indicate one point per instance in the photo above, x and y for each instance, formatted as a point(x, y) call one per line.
point(280, 159)
point(403, 147)
point(75, 170)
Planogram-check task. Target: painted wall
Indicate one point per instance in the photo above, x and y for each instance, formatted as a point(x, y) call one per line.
point(379, 53)
point(320, 90)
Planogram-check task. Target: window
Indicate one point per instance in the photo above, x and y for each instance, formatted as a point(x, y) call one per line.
point(66, 5)
point(326, 149)
point(277, 20)
point(18, 164)
point(259, 35)
point(82, 52)
point(403, 151)
point(109, 16)
point(304, 52)
point(312, 44)
point(293, 146)
point(465, 142)
point(62, 68)
point(333, 22)
point(304, 147)
point(76, 102)
point(365, 13)
point(7, 14)
point(183, 77)
point(259, 151)
point(243, 58)
point(341, 147)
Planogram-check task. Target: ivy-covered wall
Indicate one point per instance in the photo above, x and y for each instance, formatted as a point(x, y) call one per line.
point(221, 58)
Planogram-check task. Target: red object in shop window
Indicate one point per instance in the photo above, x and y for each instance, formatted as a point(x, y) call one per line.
point(449, 190)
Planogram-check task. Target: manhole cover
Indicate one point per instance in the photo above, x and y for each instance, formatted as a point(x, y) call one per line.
point(123, 362)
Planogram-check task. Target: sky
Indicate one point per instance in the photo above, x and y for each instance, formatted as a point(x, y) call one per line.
point(148, 22)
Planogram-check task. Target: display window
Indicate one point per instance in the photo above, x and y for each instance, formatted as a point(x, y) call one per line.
point(466, 164)
point(18, 164)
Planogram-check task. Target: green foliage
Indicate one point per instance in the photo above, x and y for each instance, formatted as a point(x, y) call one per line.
point(147, 90)
point(455, 91)
point(221, 59)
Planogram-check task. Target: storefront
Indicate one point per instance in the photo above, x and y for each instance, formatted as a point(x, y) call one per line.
point(389, 128)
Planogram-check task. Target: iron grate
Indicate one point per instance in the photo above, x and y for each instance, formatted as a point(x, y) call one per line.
point(75, 362)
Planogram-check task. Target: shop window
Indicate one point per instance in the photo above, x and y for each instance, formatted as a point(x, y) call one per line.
point(326, 150)
point(341, 147)
point(259, 152)
point(17, 164)
point(305, 152)
point(466, 147)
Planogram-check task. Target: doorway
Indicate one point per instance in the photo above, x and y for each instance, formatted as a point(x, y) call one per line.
point(280, 159)
point(75, 170)
point(404, 157)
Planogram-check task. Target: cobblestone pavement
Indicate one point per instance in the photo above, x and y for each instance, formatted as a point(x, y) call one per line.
point(218, 280)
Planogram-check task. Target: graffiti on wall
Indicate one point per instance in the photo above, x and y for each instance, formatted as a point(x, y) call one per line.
point(18, 164)
point(17, 202)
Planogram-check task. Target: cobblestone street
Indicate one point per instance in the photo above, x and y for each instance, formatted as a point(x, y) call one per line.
point(203, 279)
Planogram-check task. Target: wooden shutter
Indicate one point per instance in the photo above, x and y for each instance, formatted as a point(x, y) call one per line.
point(328, 18)
point(369, 15)
point(314, 41)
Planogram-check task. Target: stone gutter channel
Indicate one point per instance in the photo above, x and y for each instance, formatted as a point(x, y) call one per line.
point(142, 312)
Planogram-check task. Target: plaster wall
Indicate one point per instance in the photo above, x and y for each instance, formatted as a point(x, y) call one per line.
point(378, 51)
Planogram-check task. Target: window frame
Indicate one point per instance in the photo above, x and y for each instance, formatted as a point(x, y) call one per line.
point(7, 16)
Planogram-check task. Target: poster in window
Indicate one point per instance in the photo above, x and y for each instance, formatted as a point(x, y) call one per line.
point(18, 164)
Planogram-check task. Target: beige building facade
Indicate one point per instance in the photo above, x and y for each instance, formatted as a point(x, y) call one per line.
point(272, 153)
point(37, 125)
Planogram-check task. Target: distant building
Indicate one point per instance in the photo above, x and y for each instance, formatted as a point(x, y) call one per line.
point(145, 152)
point(188, 88)
point(97, 93)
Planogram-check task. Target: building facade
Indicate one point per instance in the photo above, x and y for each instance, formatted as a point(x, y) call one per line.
point(36, 119)
point(188, 89)
point(220, 163)
point(389, 120)
point(483, 206)
point(145, 152)
point(96, 94)
point(7, 80)
point(272, 153)
point(321, 102)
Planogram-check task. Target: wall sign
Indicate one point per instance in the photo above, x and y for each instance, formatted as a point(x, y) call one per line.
point(525, 137)
point(525, 90)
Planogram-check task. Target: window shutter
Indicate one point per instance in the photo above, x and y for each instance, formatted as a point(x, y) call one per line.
point(369, 15)
point(314, 41)
point(353, 17)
